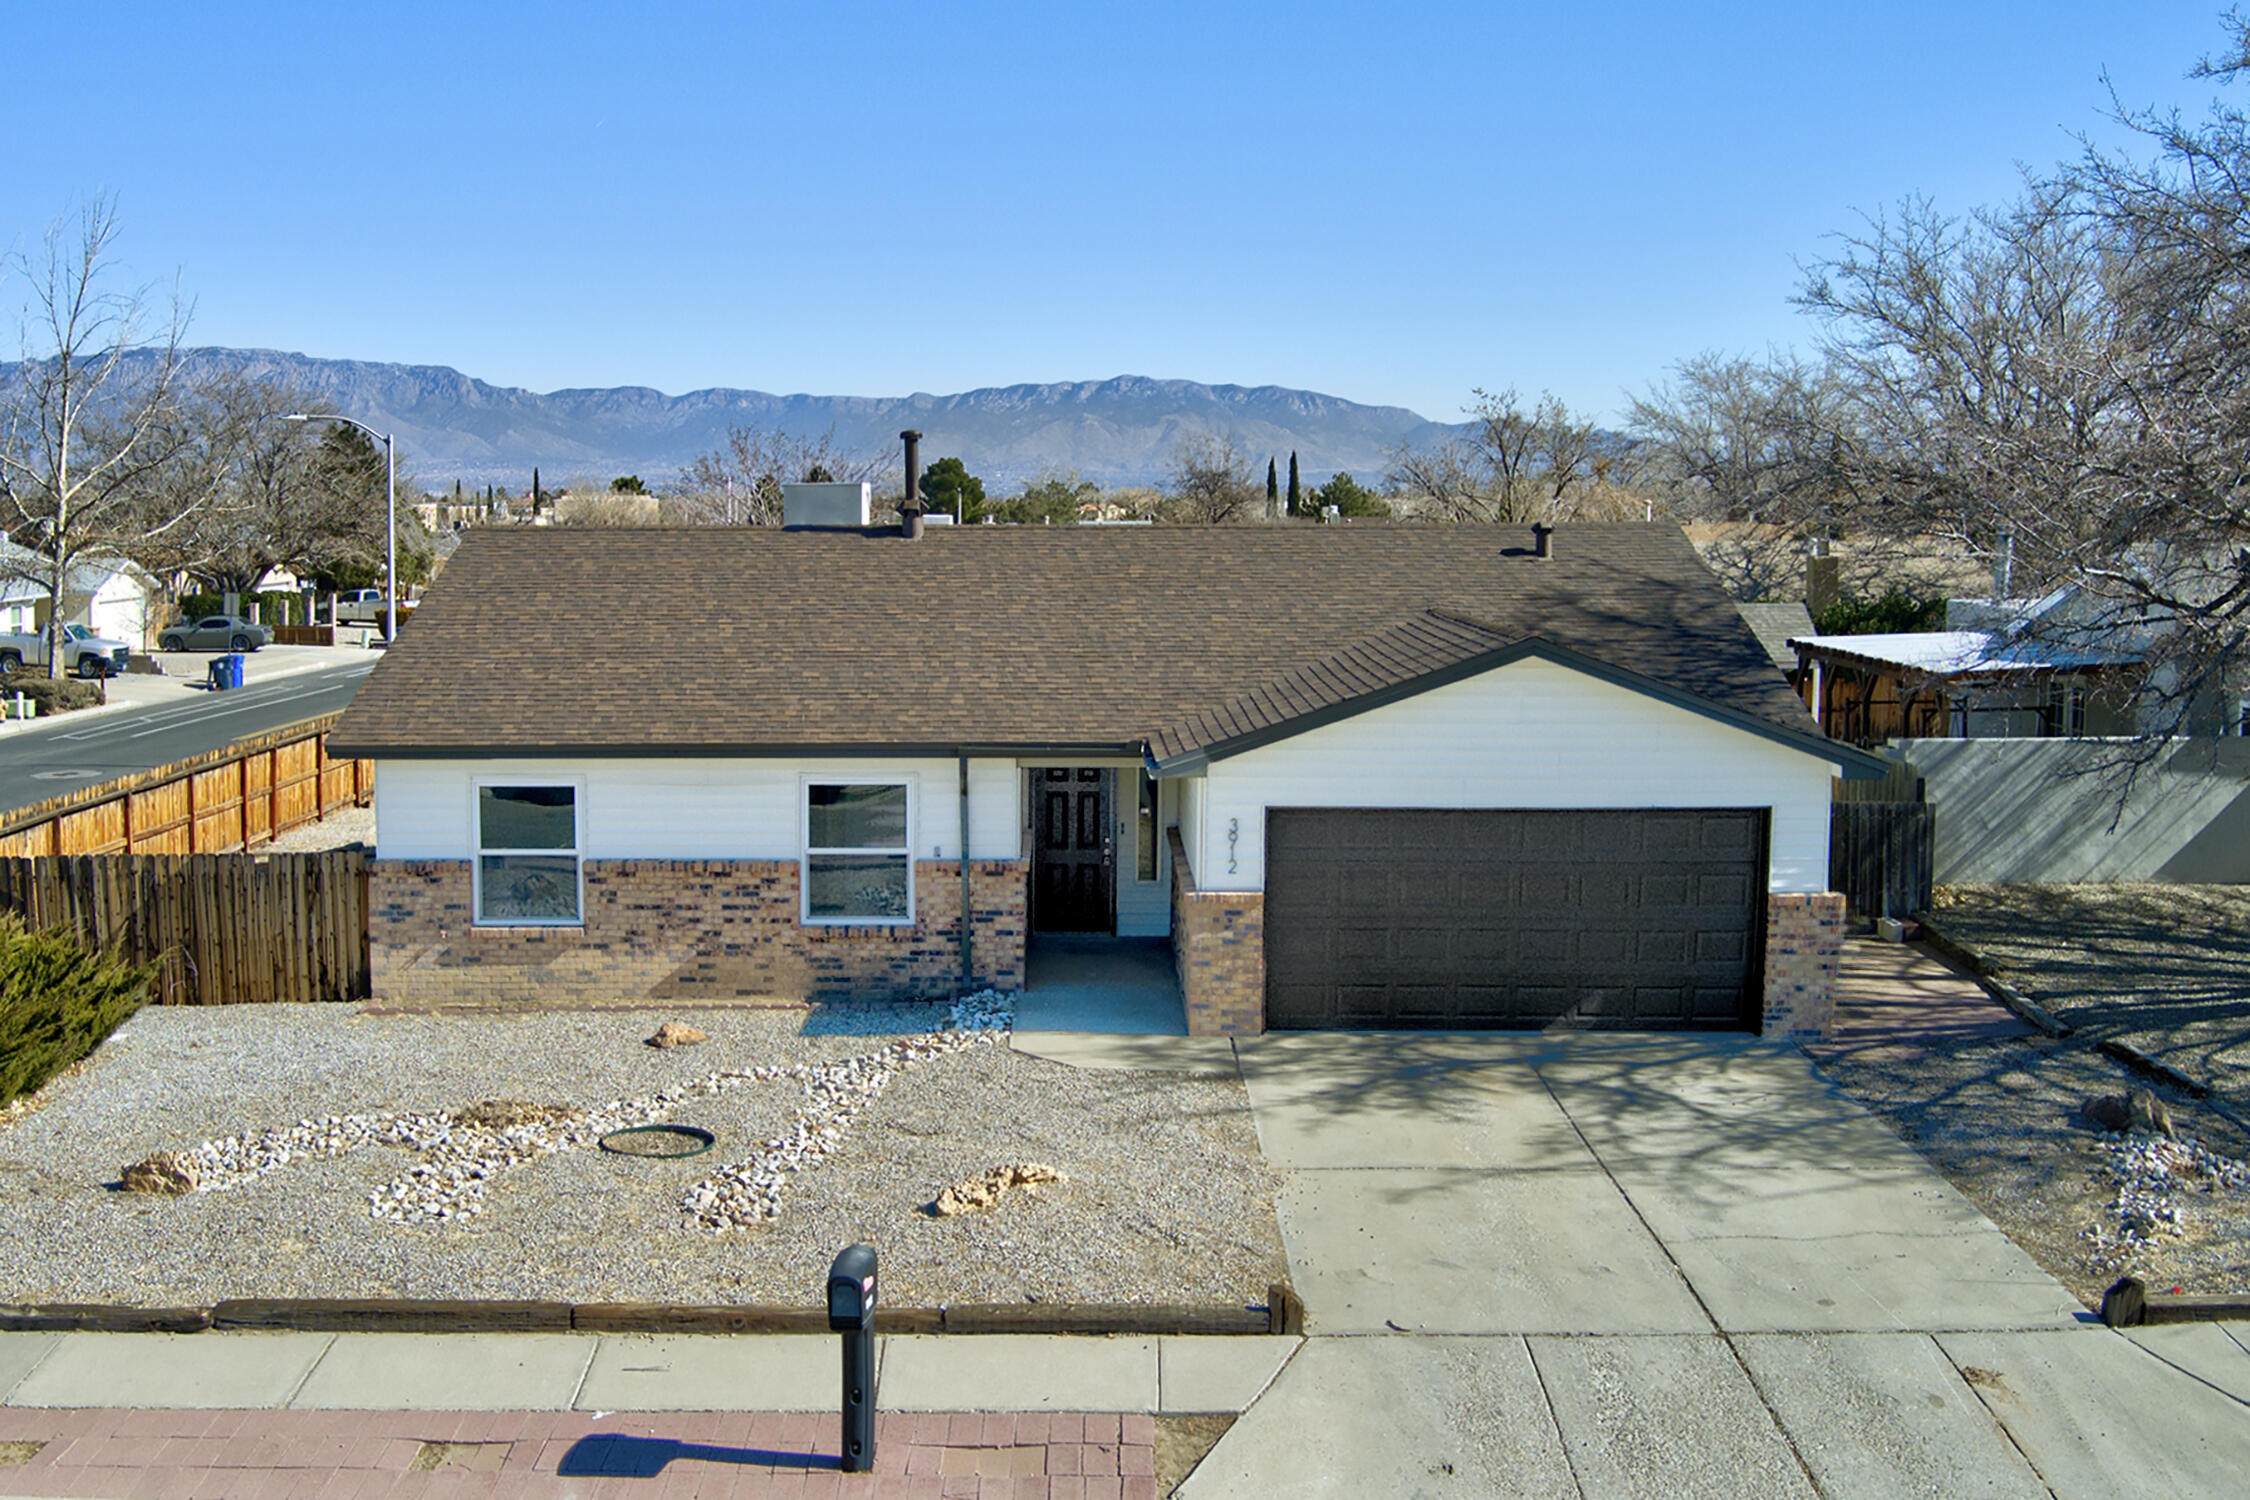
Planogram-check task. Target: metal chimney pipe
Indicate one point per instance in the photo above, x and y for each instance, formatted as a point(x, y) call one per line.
point(910, 507)
point(1542, 539)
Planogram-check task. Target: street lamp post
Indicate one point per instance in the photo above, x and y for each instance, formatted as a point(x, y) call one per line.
point(390, 512)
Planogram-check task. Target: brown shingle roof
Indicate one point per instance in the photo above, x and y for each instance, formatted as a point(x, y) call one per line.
point(1038, 638)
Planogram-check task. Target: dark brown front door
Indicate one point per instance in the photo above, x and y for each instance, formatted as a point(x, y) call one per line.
point(1072, 850)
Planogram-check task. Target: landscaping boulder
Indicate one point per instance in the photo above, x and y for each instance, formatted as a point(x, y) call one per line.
point(168, 1172)
point(673, 1034)
point(978, 1193)
point(2137, 1110)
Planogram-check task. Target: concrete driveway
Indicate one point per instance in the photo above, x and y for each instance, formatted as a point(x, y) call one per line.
point(1604, 1265)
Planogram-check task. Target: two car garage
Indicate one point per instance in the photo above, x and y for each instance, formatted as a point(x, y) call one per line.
point(1637, 919)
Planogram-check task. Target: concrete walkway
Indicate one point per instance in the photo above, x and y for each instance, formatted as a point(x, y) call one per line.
point(1900, 998)
point(1608, 1266)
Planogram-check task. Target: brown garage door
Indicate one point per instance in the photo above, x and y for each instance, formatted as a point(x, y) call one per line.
point(1394, 918)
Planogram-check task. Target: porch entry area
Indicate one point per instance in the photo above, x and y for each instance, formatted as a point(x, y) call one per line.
point(1079, 974)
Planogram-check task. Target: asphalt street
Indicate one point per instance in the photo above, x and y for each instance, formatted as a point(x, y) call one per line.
point(43, 760)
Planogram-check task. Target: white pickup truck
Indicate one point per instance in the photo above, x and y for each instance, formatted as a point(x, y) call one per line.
point(84, 653)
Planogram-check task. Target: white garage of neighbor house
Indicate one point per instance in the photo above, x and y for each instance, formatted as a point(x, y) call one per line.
point(1361, 776)
point(107, 595)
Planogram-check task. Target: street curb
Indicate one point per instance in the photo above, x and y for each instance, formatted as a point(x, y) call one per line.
point(1283, 1313)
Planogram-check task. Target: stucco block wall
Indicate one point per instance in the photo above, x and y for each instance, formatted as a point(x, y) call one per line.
point(686, 930)
point(1804, 948)
point(2045, 810)
point(1219, 946)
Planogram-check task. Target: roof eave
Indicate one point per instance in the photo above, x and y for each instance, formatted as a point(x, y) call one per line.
point(765, 750)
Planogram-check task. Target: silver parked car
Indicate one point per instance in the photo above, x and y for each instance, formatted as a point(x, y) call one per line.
point(213, 633)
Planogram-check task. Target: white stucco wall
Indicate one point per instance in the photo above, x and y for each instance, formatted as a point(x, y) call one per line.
point(1532, 734)
point(692, 808)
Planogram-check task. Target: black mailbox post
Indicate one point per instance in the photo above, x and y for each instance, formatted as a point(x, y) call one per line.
point(851, 1312)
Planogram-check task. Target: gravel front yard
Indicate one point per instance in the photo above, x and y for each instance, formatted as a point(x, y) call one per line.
point(2164, 968)
point(1167, 1197)
point(1999, 1119)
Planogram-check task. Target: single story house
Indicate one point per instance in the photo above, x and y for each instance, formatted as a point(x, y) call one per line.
point(1360, 776)
point(108, 595)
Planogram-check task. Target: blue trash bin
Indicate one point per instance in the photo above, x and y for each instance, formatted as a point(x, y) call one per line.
point(233, 663)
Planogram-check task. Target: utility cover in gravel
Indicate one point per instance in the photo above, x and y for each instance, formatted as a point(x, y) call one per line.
point(346, 1155)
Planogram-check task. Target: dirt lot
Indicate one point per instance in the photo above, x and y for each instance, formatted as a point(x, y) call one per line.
point(2163, 968)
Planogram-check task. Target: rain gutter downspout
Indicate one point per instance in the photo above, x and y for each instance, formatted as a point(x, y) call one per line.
point(968, 971)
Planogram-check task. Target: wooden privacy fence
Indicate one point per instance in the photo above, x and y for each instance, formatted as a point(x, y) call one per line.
point(1882, 855)
point(239, 797)
point(225, 928)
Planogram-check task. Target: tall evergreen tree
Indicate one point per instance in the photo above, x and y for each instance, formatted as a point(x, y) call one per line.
point(1296, 494)
point(1273, 489)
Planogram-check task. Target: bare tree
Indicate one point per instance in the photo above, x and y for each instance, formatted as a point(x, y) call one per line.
point(1540, 463)
point(739, 483)
point(259, 479)
point(81, 437)
point(1211, 483)
point(1751, 456)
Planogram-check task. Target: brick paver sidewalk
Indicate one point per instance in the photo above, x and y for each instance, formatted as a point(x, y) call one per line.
point(347, 1455)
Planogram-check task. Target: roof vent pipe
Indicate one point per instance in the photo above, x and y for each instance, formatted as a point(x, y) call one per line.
point(1542, 539)
point(910, 507)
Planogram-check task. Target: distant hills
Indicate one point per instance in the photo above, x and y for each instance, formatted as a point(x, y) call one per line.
point(451, 426)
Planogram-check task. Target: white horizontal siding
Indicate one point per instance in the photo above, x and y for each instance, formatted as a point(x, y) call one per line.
point(692, 808)
point(1192, 798)
point(1531, 734)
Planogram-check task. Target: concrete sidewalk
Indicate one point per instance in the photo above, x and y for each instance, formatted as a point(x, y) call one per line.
point(304, 1414)
point(628, 1372)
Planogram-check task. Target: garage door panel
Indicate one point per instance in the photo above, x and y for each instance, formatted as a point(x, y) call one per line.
point(1651, 949)
point(1407, 917)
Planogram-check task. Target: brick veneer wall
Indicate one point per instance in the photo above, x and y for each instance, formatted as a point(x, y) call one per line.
point(1804, 947)
point(696, 930)
point(1219, 945)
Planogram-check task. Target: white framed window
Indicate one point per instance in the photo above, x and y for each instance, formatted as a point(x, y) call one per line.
point(528, 867)
point(859, 850)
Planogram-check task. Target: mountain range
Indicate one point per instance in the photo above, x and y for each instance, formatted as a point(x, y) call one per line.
point(450, 426)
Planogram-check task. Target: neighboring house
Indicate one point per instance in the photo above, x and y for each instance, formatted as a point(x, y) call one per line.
point(1366, 776)
point(1775, 626)
point(1960, 684)
point(108, 595)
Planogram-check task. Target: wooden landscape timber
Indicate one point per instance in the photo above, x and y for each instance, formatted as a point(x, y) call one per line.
point(1284, 1314)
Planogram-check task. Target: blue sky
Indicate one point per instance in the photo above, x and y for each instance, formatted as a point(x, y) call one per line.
point(1389, 204)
